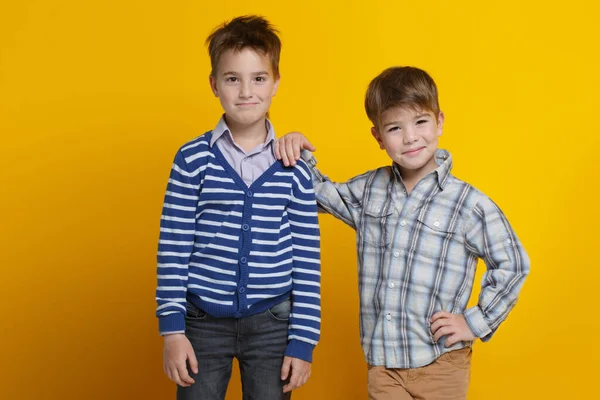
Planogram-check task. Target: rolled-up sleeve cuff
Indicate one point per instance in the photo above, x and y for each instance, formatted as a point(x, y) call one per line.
point(477, 324)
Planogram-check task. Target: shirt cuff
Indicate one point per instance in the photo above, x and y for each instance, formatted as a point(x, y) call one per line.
point(172, 323)
point(477, 324)
point(299, 349)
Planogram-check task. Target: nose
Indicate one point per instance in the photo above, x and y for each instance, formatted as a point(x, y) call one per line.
point(245, 90)
point(410, 136)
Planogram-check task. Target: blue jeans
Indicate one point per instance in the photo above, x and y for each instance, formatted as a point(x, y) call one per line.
point(257, 341)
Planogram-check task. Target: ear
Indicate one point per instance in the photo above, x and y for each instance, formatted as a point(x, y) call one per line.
point(213, 85)
point(276, 86)
point(440, 123)
point(377, 137)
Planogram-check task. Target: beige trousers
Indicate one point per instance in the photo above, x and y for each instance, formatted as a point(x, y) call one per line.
point(447, 378)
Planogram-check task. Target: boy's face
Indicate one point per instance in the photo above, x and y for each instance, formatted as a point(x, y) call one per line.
point(410, 137)
point(244, 83)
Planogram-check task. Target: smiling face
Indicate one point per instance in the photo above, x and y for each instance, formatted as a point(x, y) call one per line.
point(245, 84)
point(410, 137)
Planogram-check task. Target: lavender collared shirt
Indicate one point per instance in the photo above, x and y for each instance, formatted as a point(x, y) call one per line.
point(248, 165)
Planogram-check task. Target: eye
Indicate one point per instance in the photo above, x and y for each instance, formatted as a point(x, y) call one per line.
point(393, 128)
point(231, 79)
point(422, 121)
point(261, 79)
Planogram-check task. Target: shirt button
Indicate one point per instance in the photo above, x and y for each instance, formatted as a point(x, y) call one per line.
point(242, 289)
point(238, 315)
point(249, 194)
point(388, 317)
point(245, 227)
point(391, 285)
point(436, 224)
point(403, 223)
point(508, 241)
point(396, 254)
point(243, 260)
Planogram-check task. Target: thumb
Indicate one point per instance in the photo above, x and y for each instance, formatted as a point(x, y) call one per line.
point(306, 145)
point(193, 361)
point(285, 368)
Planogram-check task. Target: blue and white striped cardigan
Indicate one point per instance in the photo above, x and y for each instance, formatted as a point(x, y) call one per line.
point(234, 250)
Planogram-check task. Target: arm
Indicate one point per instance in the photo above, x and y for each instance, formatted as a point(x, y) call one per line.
point(175, 246)
point(305, 318)
point(342, 200)
point(489, 236)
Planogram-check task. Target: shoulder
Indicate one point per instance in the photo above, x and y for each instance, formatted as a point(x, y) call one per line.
point(301, 171)
point(196, 148)
point(475, 204)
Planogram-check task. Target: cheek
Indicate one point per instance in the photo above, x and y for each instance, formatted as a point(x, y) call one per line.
point(266, 92)
point(392, 143)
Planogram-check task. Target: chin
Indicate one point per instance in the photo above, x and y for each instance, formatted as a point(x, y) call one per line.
point(247, 119)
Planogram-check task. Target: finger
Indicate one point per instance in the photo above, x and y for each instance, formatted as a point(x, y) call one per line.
point(452, 340)
point(304, 379)
point(282, 151)
point(276, 149)
point(440, 314)
point(297, 147)
point(175, 376)
point(308, 145)
point(288, 387)
point(184, 376)
point(292, 385)
point(289, 147)
point(442, 332)
point(439, 323)
point(193, 361)
point(285, 368)
point(295, 379)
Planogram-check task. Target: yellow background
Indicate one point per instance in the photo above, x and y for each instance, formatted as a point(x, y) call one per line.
point(96, 97)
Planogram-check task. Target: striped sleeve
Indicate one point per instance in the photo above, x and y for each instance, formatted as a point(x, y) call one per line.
point(490, 237)
point(176, 242)
point(305, 318)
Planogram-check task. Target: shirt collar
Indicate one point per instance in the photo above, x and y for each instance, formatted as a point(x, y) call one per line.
point(222, 129)
point(444, 161)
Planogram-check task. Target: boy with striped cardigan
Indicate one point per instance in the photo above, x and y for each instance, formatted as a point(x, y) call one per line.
point(239, 256)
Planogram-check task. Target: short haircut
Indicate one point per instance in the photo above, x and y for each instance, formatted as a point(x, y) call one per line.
point(249, 31)
point(401, 87)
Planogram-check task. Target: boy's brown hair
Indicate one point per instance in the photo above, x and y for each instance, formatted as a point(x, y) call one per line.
point(401, 87)
point(249, 31)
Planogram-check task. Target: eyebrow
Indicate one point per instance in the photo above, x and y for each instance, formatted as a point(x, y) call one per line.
point(416, 117)
point(254, 73)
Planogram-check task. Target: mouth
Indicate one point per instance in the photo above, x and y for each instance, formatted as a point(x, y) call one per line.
point(413, 152)
point(246, 104)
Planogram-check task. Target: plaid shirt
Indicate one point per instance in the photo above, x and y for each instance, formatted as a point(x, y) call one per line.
point(417, 255)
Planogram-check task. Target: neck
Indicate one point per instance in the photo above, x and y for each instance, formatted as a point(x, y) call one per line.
point(248, 136)
point(410, 177)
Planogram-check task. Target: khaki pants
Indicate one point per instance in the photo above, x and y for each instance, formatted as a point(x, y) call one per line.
point(447, 378)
